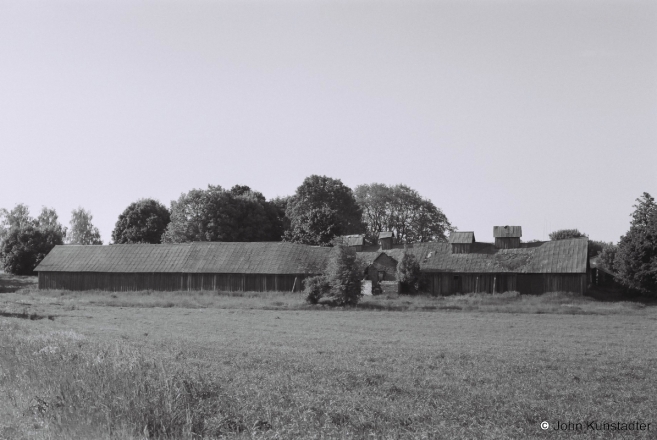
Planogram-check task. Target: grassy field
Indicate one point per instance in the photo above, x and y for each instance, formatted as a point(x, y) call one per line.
point(254, 365)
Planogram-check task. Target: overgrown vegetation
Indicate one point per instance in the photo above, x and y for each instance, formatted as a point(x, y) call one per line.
point(341, 281)
point(408, 272)
point(636, 258)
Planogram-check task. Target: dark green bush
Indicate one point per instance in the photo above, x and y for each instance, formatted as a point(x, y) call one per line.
point(344, 274)
point(316, 288)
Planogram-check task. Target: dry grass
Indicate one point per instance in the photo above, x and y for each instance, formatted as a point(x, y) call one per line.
point(509, 302)
point(240, 366)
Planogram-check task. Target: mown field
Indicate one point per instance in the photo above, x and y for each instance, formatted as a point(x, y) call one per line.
point(139, 365)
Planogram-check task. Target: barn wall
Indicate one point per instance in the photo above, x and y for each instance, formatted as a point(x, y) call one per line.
point(507, 242)
point(461, 248)
point(452, 283)
point(169, 281)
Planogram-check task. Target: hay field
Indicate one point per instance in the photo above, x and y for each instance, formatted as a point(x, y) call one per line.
point(256, 367)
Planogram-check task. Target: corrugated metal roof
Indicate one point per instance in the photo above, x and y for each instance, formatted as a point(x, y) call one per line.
point(562, 256)
point(200, 257)
point(386, 234)
point(507, 231)
point(461, 237)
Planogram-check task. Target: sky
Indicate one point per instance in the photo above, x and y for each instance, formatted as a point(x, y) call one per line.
point(541, 114)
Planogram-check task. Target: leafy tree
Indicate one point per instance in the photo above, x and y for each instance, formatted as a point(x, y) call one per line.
point(564, 234)
point(17, 218)
point(320, 209)
point(401, 209)
point(607, 257)
point(219, 215)
point(316, 226)
point(143, 221)
point(276, 208)
point(408, 271)
point(24, 248)
point(48, 219)
point(343, 274)
point(82, 231)
point(635, 261)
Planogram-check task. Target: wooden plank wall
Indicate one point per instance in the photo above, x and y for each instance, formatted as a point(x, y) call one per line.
point(452, 283)
point(507, 242)
point(119, 282)
point(461, 248)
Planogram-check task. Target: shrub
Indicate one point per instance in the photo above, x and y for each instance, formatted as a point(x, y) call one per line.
point(315, 288)
point(408, 272)
point(343, 274)
point(23, 249)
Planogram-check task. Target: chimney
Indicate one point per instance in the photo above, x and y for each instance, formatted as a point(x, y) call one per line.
point(507, 237)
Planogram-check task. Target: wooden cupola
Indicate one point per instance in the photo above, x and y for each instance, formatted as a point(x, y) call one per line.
point(507, 237)
point(461, 242)
point(385, 239)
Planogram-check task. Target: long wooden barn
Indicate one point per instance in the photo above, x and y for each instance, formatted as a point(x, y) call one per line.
point(187, 266)
point(463, 265)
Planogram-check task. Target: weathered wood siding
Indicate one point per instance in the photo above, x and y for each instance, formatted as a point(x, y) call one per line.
point(452, 283)
point(507, 242)
point(461, 248)
point(386, 243)
point(111, 281)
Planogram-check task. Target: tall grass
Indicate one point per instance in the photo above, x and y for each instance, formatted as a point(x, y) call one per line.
point(111, 388)
point(508, 302)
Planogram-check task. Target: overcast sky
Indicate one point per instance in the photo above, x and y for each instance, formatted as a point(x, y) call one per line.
point(534, 113)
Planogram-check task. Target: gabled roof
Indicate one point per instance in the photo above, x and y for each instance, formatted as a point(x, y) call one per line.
point(562, 256)
point(386, 234)
point(199, 257)
point(507, 231)
point(461, 237)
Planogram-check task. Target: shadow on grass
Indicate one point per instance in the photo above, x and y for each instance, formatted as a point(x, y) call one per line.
point(615, 293)
point(12, 283)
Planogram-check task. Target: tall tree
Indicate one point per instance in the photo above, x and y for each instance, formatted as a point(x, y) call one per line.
point(403, 210)
point(49, 220)
point(81, 230)
point(215, 214)
point(635, 261)
point(315, 226)
point(18, 218)
point(143, 221)
point(321, 208)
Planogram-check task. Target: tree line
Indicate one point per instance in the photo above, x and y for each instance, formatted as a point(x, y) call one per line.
point(321, 209)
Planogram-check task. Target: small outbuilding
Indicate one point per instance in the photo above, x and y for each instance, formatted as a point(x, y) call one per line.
point(386, 239)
